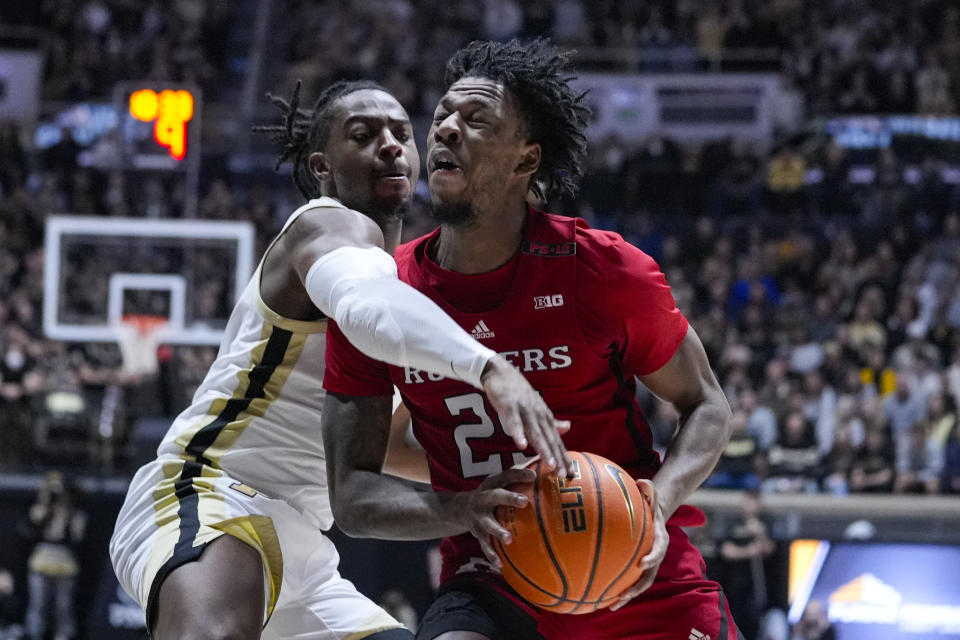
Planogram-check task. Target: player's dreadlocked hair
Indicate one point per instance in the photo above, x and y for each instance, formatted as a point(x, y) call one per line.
point(554, 114)
point(301, 132)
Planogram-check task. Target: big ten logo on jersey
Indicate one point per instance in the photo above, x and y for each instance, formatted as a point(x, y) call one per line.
point(526, 360)
point(547, 302)
point(571, 503)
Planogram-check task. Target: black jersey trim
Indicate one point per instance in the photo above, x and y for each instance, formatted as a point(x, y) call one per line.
point(188, 510)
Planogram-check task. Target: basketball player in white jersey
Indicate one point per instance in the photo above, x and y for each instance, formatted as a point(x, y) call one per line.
point(221, 536)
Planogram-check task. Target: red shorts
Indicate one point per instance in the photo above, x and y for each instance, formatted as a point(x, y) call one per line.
point(680, 605)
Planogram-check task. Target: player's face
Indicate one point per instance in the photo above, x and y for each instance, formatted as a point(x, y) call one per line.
point(371, 155)
point(473, 148)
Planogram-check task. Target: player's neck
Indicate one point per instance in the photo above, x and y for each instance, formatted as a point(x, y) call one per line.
point(486, 243)
point(392, 229)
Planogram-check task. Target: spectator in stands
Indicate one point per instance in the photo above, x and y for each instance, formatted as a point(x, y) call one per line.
point(832, 196)
point(794, 459)
point(761, 420)
point(905, 313)
point(775, 387)
point(952, 374)
point(502, 20)
point(537, 17)
point(20, 382)
point(814, 624)
point(737, 466)
point(926, 371)
point(738, 188)
point(786, 176)
point(950, 476)
point(859, 96)
point(896, 55)
point(876, 374)
point(570, 22)
point(865, 329)
point(13, 160)
point(919, 462)
point(746, 547)
point(933, 87)
point(711, 30)
point(651, 171)
point(59, 526)
point(840, 461)
point(820, 408)
point(888, 193)
point(904, 408)
point(774, 625)
point(941, 417)
point(754, 285)
point(873, 471)
point(10, 629)
point(897, 94)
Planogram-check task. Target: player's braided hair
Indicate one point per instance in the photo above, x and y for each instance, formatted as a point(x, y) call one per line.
point(302, 131)
point(554, 114)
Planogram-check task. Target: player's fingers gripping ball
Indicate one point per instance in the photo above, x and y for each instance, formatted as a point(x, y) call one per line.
point(580, 541)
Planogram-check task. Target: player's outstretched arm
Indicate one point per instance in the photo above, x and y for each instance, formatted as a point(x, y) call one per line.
point(339, 258)
point(347, 275)
point(687, 382)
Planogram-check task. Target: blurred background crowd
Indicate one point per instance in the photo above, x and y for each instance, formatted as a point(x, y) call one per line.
point(824, 280)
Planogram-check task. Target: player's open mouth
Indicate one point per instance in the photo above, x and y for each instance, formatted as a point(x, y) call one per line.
point(444, 163)
point(445, 166)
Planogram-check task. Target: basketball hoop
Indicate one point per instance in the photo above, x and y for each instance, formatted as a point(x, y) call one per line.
point(138, 337)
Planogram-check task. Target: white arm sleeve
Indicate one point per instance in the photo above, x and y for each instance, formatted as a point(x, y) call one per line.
point(388, 319)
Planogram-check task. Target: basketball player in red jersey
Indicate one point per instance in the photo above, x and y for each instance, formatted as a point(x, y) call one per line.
point(581, 312)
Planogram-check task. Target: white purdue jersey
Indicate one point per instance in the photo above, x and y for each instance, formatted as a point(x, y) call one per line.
point(246, 460)
point(257, 413)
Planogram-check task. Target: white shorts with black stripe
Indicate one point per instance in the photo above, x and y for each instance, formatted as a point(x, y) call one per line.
point(175, 507)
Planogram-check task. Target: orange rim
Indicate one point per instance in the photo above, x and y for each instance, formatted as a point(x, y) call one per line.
point(145, 324)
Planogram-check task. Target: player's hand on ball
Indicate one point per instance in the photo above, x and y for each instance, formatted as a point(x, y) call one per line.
point(524, 415)
point(650, 562)
point(482, 502)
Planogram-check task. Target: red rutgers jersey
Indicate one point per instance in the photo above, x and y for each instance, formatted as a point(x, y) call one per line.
point(579, 311)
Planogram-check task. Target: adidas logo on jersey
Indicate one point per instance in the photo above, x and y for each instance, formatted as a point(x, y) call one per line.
point(698, 635)
point(482, 331)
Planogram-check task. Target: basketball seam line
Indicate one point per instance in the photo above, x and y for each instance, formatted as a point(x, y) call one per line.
point(561, 598)
point(636, 550)
point(530, 582)
point(596, 552)
point(546, 540)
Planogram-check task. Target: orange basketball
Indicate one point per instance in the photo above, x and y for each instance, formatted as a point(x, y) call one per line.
point(578, 544)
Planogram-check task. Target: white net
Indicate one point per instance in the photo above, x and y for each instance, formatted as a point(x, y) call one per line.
point(138, 338)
